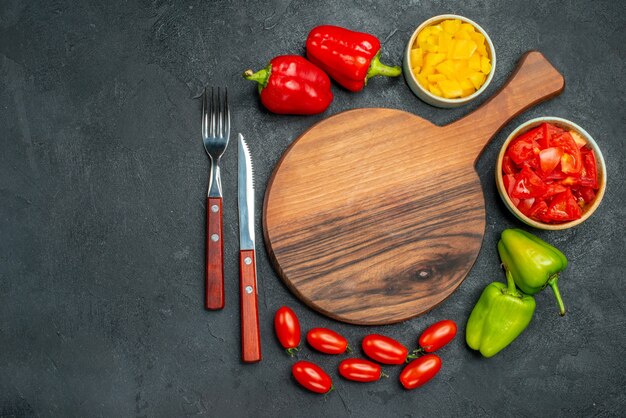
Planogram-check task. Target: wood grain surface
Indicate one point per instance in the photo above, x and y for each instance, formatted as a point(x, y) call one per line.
point(374, 216)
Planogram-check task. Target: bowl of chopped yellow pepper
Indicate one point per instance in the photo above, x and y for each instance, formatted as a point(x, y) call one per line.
point(449, 61)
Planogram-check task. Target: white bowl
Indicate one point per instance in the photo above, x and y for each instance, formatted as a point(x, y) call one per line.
point(426, 95)
point(601, 167)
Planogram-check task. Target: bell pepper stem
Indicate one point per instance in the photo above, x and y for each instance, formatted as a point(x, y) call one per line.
point(261, 76)
point(555, 288)
point(378, 68)
point(511, 289)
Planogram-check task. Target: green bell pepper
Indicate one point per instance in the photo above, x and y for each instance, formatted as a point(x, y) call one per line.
point(499, 317)
point(533, 262)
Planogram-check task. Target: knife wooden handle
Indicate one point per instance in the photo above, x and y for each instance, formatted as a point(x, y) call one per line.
point(214, 254)
point(250, 334)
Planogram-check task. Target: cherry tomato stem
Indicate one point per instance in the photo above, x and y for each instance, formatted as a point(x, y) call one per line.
point(412, 356)
point(292, 351)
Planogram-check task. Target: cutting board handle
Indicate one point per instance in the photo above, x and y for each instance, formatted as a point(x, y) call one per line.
point(534, 81)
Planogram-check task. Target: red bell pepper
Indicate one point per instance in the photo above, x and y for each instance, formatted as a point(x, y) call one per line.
point(292, 85)
point(348, 57)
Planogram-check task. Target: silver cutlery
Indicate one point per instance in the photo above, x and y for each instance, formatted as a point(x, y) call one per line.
point(215, 134)
point(250, 335)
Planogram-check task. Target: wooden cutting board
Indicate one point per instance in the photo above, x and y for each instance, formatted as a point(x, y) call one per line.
point(374, 216)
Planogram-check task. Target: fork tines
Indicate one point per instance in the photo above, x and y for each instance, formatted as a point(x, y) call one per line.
point(215, 113)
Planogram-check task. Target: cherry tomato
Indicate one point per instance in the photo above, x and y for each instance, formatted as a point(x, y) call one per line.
point(360, 370)
point(312, 377)
point(420, 371)
point(384, 349)
point(326, 341)
point(437, 335)
point(287, 329)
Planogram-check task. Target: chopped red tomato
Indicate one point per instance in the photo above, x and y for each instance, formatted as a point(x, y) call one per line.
point(525, 146)
point(587, 194)
point(524, 205)
point(528, 184)
point(548, 131)
point(550, 174)
point(509, 183)
point(589, 173)
point(549, 158)
point(571, 161)
point(553, 188)
point(508, 166)
point(564, 207)
point(538, 210)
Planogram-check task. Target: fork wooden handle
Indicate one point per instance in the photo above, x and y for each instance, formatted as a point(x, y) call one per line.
point(214, 254)
point(250, 334)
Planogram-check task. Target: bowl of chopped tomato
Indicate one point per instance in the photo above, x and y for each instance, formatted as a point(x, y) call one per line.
point(550, 173)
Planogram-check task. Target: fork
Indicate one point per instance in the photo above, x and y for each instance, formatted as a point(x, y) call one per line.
point(215, 134)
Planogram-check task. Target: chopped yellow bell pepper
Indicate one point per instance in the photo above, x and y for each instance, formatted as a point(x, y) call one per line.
point(450, 59)
point(446, 68)
point(432, 59)
point(417, 57)
point(485, 65)
point(477, 79)
point(451, 89)
point(462, 49)
point(451, 26)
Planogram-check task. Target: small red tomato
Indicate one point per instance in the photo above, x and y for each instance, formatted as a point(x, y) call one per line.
point(326, 341)
point(312, 377)
point(384, 349)
point(437, 335)
point(360, 370)
point(420, 371)
point(287, 329)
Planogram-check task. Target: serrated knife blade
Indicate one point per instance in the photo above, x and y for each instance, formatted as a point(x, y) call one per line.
point(245, 176)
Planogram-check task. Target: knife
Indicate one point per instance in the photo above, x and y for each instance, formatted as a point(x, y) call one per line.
point(250, 335)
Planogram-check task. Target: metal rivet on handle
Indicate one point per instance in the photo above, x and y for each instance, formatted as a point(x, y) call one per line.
point(214, 208)
point(248, 289)
point(215, 237)
point(247, 260)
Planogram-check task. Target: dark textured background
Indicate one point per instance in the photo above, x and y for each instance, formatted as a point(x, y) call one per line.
point(102, 185)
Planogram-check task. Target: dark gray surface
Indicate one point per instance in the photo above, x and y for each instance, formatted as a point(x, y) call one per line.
point(102, 185)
